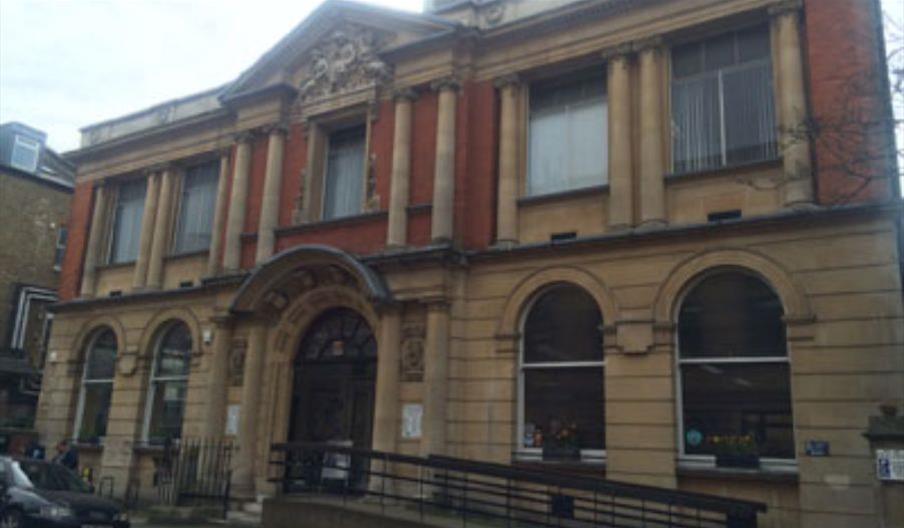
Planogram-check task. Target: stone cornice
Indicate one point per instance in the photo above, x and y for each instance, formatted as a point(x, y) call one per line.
point(783, 7)
point(505, 81)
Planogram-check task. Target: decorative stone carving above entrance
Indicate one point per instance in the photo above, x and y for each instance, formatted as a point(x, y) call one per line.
point(411, 360)
point(345, 61)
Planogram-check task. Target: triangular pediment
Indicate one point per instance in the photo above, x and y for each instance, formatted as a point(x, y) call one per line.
point(336, 50)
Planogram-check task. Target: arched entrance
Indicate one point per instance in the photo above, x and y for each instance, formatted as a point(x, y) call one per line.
point(334, 381)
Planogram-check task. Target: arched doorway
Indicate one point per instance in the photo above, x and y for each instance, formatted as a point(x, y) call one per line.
point(334, 381)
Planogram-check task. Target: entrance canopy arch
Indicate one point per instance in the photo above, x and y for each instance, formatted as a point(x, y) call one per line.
point(287, 275)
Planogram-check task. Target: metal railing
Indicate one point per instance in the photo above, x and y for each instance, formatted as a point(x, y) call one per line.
point(195, 470)
point(481, 492)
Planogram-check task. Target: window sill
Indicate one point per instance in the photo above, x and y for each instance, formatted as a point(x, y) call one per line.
point(148, 449)
point(419, 208)
point(88, 447)
point(326, 224)
point(721, 171)
point(534, 458)
point(563, 195)
point(187, 255)
point(786, 472)
point(116, 265)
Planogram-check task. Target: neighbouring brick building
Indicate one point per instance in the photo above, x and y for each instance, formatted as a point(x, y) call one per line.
point(656, 224)
point(35, 190)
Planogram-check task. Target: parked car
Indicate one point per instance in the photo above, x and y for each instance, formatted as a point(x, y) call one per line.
point(35, 493)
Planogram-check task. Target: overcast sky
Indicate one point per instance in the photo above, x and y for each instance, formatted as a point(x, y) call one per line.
point(65, 64)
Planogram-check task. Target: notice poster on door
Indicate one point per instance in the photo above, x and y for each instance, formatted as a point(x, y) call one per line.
point(232, 419)
point(412, 413)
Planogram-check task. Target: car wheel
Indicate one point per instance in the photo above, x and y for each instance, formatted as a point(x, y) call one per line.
point(11, 519)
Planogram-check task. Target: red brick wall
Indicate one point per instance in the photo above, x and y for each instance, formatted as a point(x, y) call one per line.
point(423, 149)
point(360, 237)
point(79, 224)
point(846, 103)
point(381, 151)
point(256, 183)
point(294, 161)
point(475, 172)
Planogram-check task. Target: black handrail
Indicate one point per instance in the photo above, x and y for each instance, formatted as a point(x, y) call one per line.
point(477, 488)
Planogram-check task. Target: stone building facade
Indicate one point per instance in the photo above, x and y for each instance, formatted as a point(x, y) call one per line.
point(610, 229)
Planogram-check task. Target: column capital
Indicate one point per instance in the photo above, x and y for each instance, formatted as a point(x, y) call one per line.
point(158, 167)
point(280, 127)
point(619, 51)
point(245, 136)
point(446, 83)
point(505, 81)
point(436, 303)
point(784, 7)
point(648, 44)
point(404, 94)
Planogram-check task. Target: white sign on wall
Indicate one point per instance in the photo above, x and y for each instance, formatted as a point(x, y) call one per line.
point(890, 464)
point(412, 413)
point(232, 419)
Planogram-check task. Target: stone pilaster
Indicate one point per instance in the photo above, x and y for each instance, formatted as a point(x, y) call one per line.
point(444, 173)
point(269, 219)
point(399, 186)
point(794, 139)
point(244, 470)
point(313, 176)
point(95, 237)
point(436, 379)
point(621, 193)
point(386, 406)
point(238, 202)
point(162, 223)
point(507, 197)
point(215, 398)
point(219, 217)
point(652, 168)
point(148, 217)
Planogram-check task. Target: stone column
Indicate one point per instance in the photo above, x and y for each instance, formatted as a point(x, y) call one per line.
point(162, 226)
point(219, 217)
point(436, 379)
point(235, 220)
point(266, 237)
point(215, 398)
point(621, 195)
point(507, 197)
point(793, 137)
point(444, 171)
point(399, 186)
point(313, 176)
point(386, 406)
point(652, 169)
point(95, 238)
point(243, 474)
point(139, 279)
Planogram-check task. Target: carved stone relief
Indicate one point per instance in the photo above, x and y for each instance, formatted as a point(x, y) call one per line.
point(344, 61)
point(237, 362)
point(412, 353)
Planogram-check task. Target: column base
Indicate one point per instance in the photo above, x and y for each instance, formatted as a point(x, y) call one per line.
point(619, 228)
point(505, 244)
point(651, 225)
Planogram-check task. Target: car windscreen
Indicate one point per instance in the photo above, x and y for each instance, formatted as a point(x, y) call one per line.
point(46, 476)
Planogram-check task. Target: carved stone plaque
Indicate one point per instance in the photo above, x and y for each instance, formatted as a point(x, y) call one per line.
point(237, 362)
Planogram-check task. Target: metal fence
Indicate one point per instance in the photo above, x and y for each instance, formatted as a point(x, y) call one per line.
point(195, 471)
point(478, 492)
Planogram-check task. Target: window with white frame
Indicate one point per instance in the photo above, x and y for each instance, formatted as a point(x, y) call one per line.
point(196, 208)
point(96, 389)
point(343, 193)
point(168, 384)
point(561, 383)
point(60, 249)
point(567, 134)
point(126, 231)
point(25, 154)
point(734, 373)
point(723, 109)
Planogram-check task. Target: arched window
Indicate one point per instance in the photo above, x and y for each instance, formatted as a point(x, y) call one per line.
point(734, 370)
point(169, 384)
point(562, 412)
point(96, 388)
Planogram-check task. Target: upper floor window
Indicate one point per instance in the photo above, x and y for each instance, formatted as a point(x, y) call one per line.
point(126, 235)
point(97, 387)
point(344, 187)
point(567, 136)
point(196, 208)
point(735, 378)
point(60, 249)
point(561, 375)
point(169, 384)
point(25, 154)
point(723, 109)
